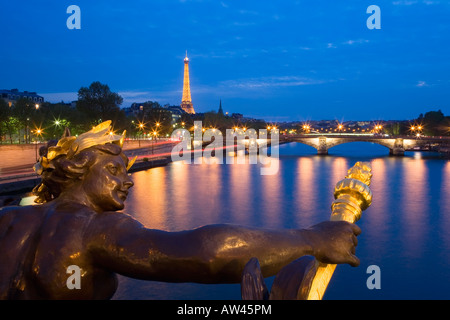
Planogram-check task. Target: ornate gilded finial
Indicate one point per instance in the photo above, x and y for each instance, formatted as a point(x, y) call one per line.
point(352, 194)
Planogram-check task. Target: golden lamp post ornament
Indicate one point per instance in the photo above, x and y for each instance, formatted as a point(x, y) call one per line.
point(307, 278)
point(352, 196)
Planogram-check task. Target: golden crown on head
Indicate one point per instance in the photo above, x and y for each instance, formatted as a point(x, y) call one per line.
point(71, 145)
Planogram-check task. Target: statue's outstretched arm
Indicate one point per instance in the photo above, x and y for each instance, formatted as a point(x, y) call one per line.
point(210, 254)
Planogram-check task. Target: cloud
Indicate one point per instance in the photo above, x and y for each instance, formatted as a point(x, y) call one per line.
point(268, 82)
point(55, 97)
point(249, 12)
point(404, 3)
point(162, 97)
point(359, 41)
point(421, 84)
point(129, 97)
point(411, 2)
point(350, 42)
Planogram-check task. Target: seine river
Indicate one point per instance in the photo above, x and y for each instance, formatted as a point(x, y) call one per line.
point(406, 231)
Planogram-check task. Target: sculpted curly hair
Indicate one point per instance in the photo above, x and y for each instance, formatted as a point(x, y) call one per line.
point(64, 172)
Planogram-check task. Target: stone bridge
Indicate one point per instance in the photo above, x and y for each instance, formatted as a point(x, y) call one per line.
point(396, 145)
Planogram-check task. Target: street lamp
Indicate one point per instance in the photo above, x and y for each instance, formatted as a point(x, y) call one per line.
point(417, 130)
point(38, 132)
point(306, 128)
point(141, 127)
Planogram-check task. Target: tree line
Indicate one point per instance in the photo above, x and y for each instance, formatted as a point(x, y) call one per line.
point(25, 121)
point(432, 123)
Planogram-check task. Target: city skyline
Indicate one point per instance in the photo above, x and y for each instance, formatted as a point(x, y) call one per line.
point(278, 62)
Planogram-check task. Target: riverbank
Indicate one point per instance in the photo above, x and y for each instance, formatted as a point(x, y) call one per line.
point(13, 190)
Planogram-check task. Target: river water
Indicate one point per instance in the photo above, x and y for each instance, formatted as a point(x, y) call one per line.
point(406, 231)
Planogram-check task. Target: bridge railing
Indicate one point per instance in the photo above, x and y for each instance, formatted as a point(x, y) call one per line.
point(371, 136)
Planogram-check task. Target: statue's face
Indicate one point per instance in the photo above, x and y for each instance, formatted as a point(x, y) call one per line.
point(107, 182)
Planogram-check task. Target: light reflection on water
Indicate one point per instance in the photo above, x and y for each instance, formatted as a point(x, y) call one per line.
point(405, 231)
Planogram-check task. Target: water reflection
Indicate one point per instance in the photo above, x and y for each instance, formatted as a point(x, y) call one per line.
point(376, 219)
point(270, 192)
point(444, 203)
point(241, 192)
point(151, 192)
point(414, 202)
point(306, 191)
point(405, 231)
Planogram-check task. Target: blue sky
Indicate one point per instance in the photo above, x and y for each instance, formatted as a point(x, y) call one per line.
point(277, 60)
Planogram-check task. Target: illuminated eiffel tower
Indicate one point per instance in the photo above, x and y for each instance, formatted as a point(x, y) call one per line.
point(186, 101)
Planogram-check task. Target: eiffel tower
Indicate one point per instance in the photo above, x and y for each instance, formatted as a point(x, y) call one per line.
point(186, 101)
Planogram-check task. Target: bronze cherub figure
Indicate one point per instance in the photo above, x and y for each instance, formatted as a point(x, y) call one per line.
point(84, 184)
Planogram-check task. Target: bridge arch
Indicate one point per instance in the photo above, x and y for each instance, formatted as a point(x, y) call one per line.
point(396, 146)
point(381, 147)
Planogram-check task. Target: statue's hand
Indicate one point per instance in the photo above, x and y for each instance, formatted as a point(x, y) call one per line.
point(335, 242)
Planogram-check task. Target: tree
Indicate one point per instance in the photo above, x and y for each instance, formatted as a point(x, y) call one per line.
point(99, 103)
point(24, 111)
point(156, 118)
point(434, 123)
point(8, 124)
point(4, 116)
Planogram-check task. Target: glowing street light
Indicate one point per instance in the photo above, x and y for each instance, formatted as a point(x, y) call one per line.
point(306, 128)
point(141, 127)
point(38, 132)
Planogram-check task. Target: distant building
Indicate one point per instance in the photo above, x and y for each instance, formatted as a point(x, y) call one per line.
point(176, 112)
point(136, 108)
point(237, 116)
point(220, 108)
point(11, 96)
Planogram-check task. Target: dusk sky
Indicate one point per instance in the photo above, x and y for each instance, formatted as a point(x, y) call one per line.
point(276, 60)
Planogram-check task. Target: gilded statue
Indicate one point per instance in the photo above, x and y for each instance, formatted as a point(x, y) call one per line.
point(78, 222)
